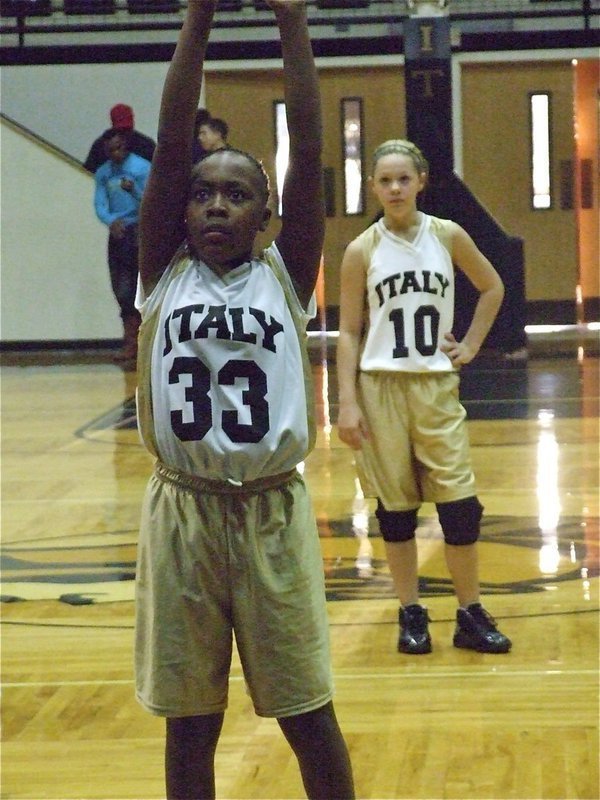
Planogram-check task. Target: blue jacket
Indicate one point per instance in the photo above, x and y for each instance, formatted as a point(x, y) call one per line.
point(110, 200)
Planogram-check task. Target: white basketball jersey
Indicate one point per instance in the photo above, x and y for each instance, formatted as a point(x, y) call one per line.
point(410, 291)
point(227, 382)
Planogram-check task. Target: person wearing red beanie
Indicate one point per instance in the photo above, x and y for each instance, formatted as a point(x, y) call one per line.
point(121, 116)
point(122, 119)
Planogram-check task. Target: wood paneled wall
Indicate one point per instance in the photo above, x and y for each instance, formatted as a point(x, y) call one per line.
point(497, 158)
point(496, 151)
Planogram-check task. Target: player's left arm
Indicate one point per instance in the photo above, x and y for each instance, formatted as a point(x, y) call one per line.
point(480, 271)
point(300, 240)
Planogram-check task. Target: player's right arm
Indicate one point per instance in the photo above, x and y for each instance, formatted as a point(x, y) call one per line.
point(162, 227)
point(352, 427)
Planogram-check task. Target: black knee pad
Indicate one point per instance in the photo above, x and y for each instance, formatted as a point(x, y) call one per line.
point(460, 520)
point(396, 526)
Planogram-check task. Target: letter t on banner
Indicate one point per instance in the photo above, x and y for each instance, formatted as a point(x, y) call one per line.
point(429, 84)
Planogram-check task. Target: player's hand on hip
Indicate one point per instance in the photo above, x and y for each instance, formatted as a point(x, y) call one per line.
point(459, 353)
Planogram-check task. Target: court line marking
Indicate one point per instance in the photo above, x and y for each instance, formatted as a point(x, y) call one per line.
point(130, 626)
point(339, 676)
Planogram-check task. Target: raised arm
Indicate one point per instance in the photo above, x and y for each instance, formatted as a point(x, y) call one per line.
point(163, 205)
point(300, 239)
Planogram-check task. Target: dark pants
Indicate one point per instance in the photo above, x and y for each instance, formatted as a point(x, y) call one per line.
point(123, 267)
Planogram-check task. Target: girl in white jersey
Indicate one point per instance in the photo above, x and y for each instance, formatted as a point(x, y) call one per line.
point(228, 542)
point(399, 406)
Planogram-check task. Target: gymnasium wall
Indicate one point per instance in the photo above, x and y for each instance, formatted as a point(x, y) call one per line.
point(53, 246)
point(55, 284)
point(384, 117)
point(587, 99)
point(497, 157)
point(68, 104)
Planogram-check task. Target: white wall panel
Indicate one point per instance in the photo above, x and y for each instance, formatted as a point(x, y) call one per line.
point(68, 104)
point(55, 283)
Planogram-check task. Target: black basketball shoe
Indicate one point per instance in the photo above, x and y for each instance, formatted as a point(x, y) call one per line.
point(476, 630)
point(414, 634)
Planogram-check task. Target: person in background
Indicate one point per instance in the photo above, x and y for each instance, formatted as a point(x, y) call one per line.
point(119, 185)
point(212, 135)
point(398, 364)
point(228, 543)
point(198, 152)
point(122, 119)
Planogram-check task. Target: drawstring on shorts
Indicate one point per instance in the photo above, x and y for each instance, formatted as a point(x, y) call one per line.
point(197, 484)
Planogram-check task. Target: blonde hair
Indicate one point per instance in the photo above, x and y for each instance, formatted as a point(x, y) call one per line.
point(405, 148)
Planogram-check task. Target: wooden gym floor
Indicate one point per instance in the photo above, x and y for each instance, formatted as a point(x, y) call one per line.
point(452, 724)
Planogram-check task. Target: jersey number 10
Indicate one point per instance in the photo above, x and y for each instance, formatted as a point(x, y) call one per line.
point(426, 321)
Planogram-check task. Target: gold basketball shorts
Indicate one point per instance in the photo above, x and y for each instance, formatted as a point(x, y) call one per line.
point(418, 449)
point(217, 562)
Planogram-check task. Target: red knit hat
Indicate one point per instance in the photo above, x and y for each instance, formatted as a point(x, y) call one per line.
point(121, 116)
